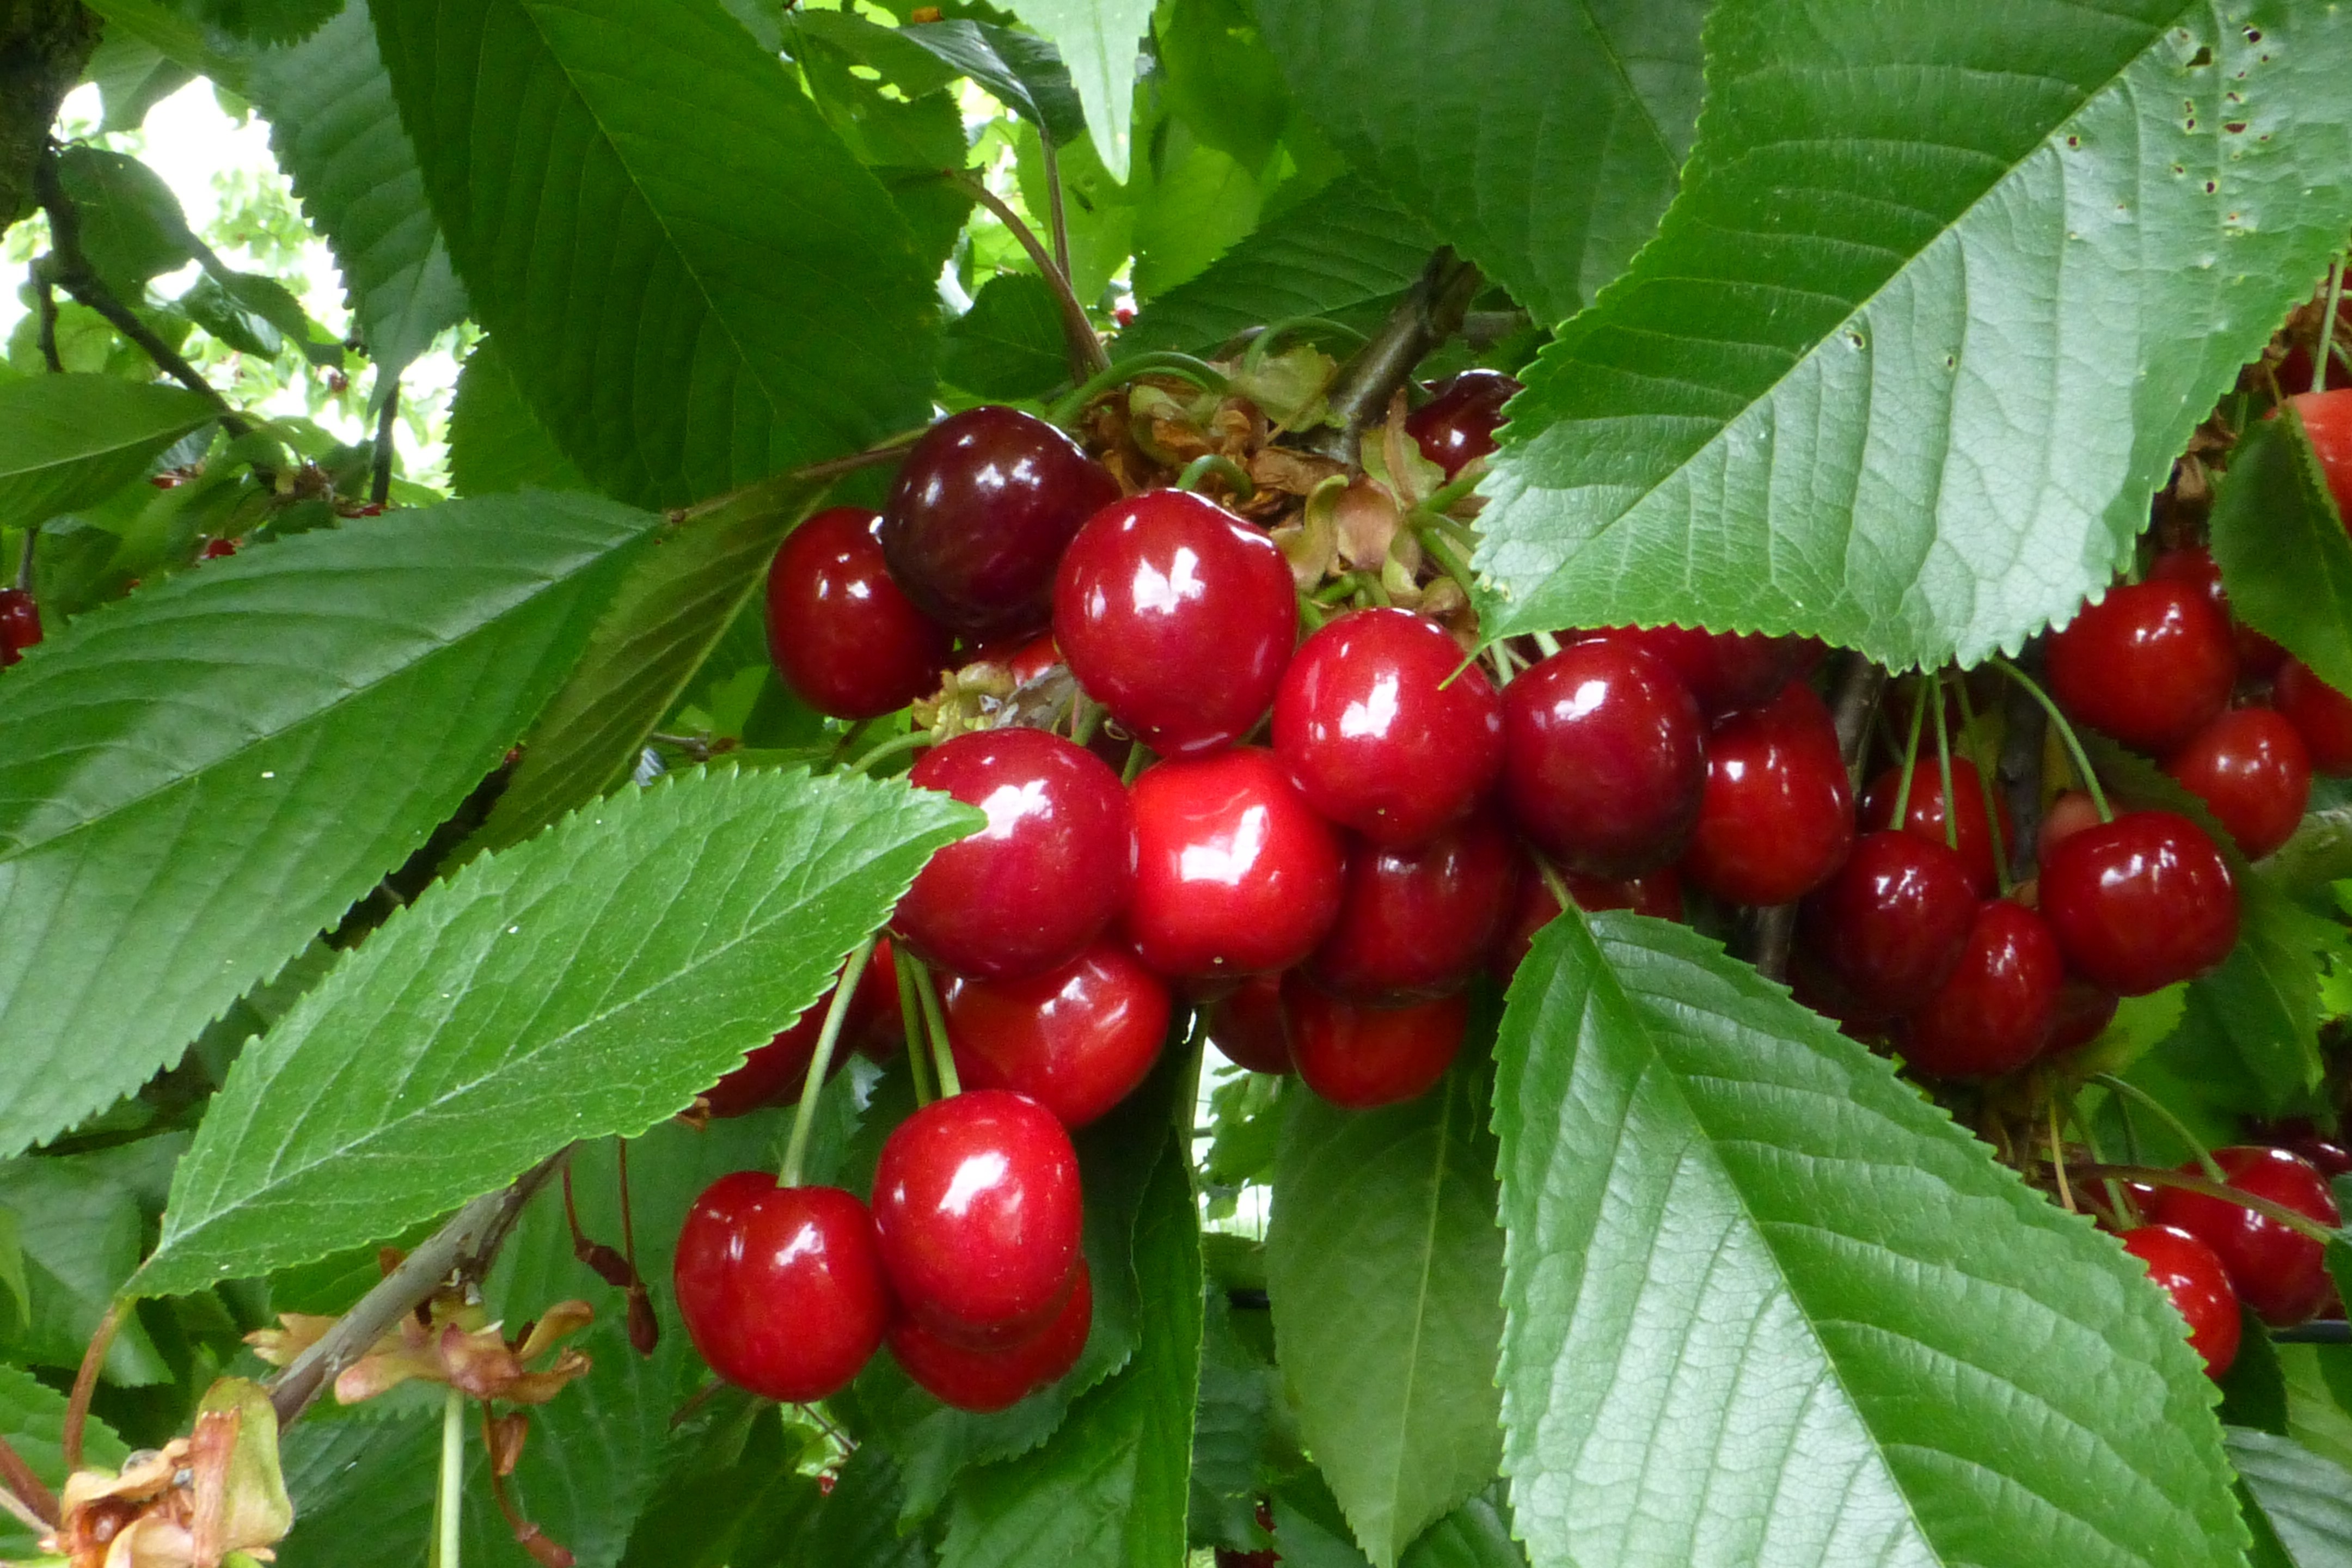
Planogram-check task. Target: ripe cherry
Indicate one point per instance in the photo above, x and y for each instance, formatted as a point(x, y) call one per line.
point(1926, 815)
point(2320, 714)
point(1417, 923)
point(2258, 656)
point(1359, 1058)
point(2081, 1015)
point(1250, 1027)
point(781, 1289)
point(2140, 902)
point(1604, 757)
point(1383, 728)
point(1658, 894)
point(2193, 1278)
point(1179, 618)
point(2072, 812)
point(844, 637)
point(1727, 671)
point(1075, 1039)
point(1778, 816)
point(2150, 664)
point(2302, 1135)
point(988, 1380)
point(981, 513)
point(1235, 875)
point(2327, 420)
point(2250, 767)
point(1459, 423)
point(20, 624)
point(2275, 1270)
point(977, 1210)
point(217, 550)
point(1992, 1014)
point(1889, 924)
point(1030, 891)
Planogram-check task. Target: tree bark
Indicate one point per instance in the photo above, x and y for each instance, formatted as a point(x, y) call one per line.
point(43, 45)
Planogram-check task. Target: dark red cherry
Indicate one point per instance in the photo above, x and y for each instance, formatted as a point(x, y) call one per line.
point(1383, 727)
point(1926, 815)
point(2251, 768)
point(773, 1074)
point(217, 549)
point(781, 1289)
point(989, 1380)
point(1248, 1024)
point(1778, 816)
point(979, 514)
point(1179, 618)
point(1359, 1058)
point(2072, 812)
point(2193, 1278)
point(2320, 714)
point(1417, 923)
point(877, 1027)
point(2327, 420)
point(1235, 874)
point(2301, 1135)
point(844, 637)
point(1992, 1014)
point(20, 624)
point(2275, 1270)
point(1030, 891)
point(1657, 893)
point(1459, 423)
point(2150, 664)
point(2258, 656)
point(976, 1209)
point(1075, 1039)
point(1725, 671)
point(2081, 1015)
point(2140, 902)
point(1604, 757)
point(1889, 924)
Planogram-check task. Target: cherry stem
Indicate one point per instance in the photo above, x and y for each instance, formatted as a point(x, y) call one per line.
point(2117, 1202)
point(1138, 755)
point(910, 1023)
point(1274, 331)
point(1507, 663)
point(1311, 612)
point(2326, 345)
point(2158, 1176)
point(26, 1491)
point(804, 1117)
point(1441, 549)
point(935, 1023)
point(1236, 478)
point(914, 741)
point(84, 1382)
point(1944, 762)
point(448, 1509)
point(1057, 226)
point(1984, 785)
point(1442, 499)
point(1910, 768)
point(628, 1218)
point(2195, 1144)
point(1087, 355)
point(1159, 362)
point(1086, 718)
point(1546, 643)
point(2065, 733)
point(25, 560)
point(2058, 1162)
point(1554, 883)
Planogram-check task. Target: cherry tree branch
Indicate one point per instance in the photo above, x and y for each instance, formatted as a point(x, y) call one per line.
point(1430, 312)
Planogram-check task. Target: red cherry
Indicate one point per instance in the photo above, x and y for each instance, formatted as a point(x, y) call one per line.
point(844, 637)
point(2192, 1276)
point(2072, 812)
point(773, 1073)
point(984, 1380)
point(780, 1288)
point(977, 1210)
point(1604, 757)
point(1359, 1058)
point(1417, 923)
point(2140, 902)
point(1383, 728)
point(2258, 656)
point(2327, 420)
point(981, 512)
point(2250, 767)
point(2150, 664)
point(2081, 1015)
point(217, 549)
point(1889, 925)
point(1248, 1024)
point(1993, 1014)
point(1459, 423)
point(1030, 891)
point(1034, 659)
point(1657, 893)
point(2320, 714)
point(1778, 816)
point(877, 1025)
point(1725, 671)
point(1926, 815)
point(20, 624)
point(1237, 875)
point(2275, 1270)
point(1075, 1039)
point(2300, 1135)
point(1177, 616)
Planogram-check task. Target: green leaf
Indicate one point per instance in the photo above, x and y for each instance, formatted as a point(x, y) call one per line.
point(1009, 344)
point(1199, 204)
point(2313, 1418)
point(1025, 72)
point(1099, 42)
point(2254, 1391)
point(133, 76)
point(131, 225)
point(2265, 995)
point(604, 973)
point(33, 1420)
point(1241, 1433)
point(2308, 1499)
point(852, 1527)
point(195, 780)
point(210, 305)
point(722, 1516)
point(1540, 140)
point(68, 441)
point(1812, 407)
point(82, 1225)
point(12, 1271)
point(1476, 1535)
point(1768, 1305)
point(260, 21)
point(205, 50)
point(675, 337)
point(2282, 549)
point(496, 443)
point(1385, 1269)
point(1219, 78)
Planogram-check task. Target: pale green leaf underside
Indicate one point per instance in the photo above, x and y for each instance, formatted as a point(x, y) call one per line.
point(69, 440)
point(1946, 290)
point(1770, 1307)
point(1099, 42)
point(2308, 1499)
point(2282, 551)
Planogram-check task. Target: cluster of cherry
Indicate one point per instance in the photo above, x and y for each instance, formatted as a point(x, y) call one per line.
point(20, 624)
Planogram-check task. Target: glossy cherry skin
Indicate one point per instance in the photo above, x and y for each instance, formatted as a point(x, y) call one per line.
point(781, 1289)
point(1075, 1039)
point(1055, 862)
point(976, 1209)
point(2193, 1277)
point(1179, 618)
point(20, 624)
point(1250, 1027)
point(1778, 816)
point(1459, 423)
point(1992, 1014)
point(1359, 1058)
point(1383, 728)
point(2072, 812)
point(2140, 902)
point(1658, 894)
point(2320, 714)
point(2327, 420)
point(979, 514)
point(844, 637)
point(1416, 923)
point(1925, 817)
point(2150, 664)
point(1889, 924)
point(2250, 767)
point(1725, 671)
point(2081, 1015)
point(1236, 873)
point(2278, 1271)
point(1605, 758)
point(2258, 656)
point(988, 1380)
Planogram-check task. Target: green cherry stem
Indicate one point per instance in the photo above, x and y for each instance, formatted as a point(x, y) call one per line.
point(1163, 362)
point(2196, 1145)
point(1984, 785)
point(2117, 1202)
point(1944, 763)
point(2158, 1176)
point(1910, 766)
point(1236, 478)
point(1441, 550)
point(911, 1021)
point(913, 741)
point(1138, 755)
point(804, 1117)
point(449, 1511)
point(935, 1022)
point(1546, 643)
point(2326, 345)
point(2066, 733)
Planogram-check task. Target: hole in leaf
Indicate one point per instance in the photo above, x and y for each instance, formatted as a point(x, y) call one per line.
point(2235, 128)
point(2074, 141)
point(2213, 185)
point(2201, 59)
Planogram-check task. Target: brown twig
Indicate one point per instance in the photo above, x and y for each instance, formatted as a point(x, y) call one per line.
point(1430, 312)
point(45, 299)
point(380, 468)
point(1088, 358)
point(1056, 221)
point(84, 1382)
point(2024, 729)
point(1856, 688)
point(26, 1489)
